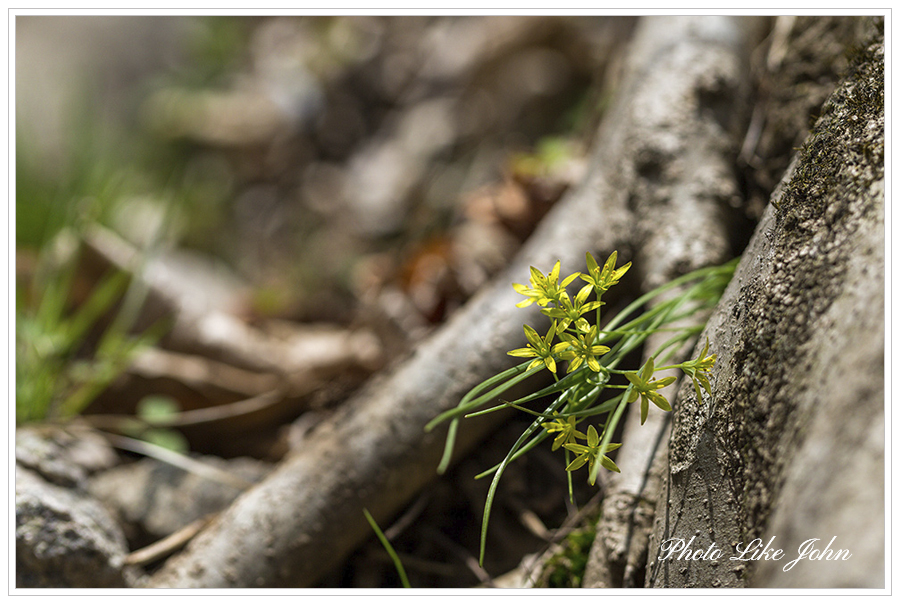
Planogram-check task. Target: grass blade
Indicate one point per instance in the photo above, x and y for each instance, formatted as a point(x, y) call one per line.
point(390, 550)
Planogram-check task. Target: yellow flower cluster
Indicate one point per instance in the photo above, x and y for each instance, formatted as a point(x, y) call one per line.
point(578, 347)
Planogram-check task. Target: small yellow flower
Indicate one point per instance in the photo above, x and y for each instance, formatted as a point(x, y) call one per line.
point(609, 275)
point(544, 289)
point(583, 350)
point(568, 312)
point(533, 295)
point(540, 348)
point(567, 431)
point(589, 453)
point(645, 386)
point(698, 370)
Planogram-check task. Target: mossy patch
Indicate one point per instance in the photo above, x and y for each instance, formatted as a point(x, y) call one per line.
point(566, 567)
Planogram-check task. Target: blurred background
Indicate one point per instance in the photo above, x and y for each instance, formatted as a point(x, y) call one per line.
point(226, 224)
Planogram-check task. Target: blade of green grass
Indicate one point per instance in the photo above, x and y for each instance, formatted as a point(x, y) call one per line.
point(390, 550)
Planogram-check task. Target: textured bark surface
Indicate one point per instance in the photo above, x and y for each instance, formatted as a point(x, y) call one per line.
point(791, 445)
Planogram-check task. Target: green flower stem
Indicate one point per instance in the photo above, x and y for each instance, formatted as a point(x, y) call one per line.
point(606, 335)
point(673, 343)
point(473, 400)
point(508, 405)
point(599, 308)
point(531, 444)
point(569, 474)
point(629, 343)
point(604, 407)
point(665, 309)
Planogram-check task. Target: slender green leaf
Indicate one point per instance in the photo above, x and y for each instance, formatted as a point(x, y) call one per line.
point(390, 550)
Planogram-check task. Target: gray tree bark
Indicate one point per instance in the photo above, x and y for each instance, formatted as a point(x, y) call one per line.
point(791, 445)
